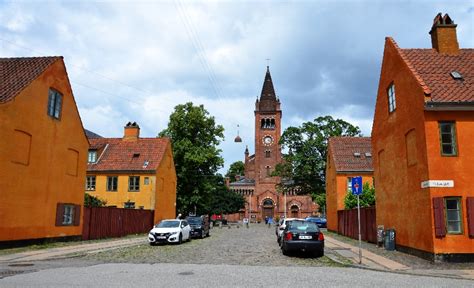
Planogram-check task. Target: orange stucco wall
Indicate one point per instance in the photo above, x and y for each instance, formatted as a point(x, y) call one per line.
point(42, 160)
point(401, 202)
point(336, 190)
point(459, 169)
point(158, 195)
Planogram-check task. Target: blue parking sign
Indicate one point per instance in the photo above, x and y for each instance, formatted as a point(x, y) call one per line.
point(357, 185)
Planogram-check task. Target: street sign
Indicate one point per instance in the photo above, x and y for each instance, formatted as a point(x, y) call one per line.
point(357, 185)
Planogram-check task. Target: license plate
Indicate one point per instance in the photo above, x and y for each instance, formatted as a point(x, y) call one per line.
point(305, 237)
point(161, 237)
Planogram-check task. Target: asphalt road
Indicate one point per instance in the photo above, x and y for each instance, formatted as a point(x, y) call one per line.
point(205, 275)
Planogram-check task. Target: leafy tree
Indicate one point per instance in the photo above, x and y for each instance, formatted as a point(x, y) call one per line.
point(93, 201)
point(195, 137)
point(225, 201)
point(366, 199)
point(236, 168)
point(320, 199)
point(305, 164)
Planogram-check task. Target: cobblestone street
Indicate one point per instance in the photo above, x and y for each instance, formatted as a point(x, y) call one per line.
point(256, 245)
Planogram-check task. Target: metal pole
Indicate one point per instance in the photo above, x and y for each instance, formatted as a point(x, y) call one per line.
point(285, 203)
point(360, 238)
point(250, 206)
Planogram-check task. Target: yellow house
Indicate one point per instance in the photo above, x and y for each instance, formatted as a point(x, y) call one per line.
point(43, 151)
point(133, 172)
point(347, 157)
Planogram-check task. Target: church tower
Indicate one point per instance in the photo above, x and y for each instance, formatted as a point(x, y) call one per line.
point(267, 133)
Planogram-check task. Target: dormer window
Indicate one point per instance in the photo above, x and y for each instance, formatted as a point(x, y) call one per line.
point(92, 156)
point(392, 105)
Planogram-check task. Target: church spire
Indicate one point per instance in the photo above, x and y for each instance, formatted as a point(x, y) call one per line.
point(268, 92)
point(268, 100)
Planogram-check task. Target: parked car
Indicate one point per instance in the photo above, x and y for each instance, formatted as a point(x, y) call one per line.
point(199, 226)
point(281, 226)
point(302, 236)
point(170, 231)
point(320, 221)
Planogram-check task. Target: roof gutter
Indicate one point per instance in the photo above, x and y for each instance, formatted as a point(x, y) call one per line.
point(449, 106)
point(354, 171)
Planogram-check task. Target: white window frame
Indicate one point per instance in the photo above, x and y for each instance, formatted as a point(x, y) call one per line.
point(457, 212)
point(92, 156)
point(110, 180)
point(68, 215)
point(392, 102)
point(135, 186)
point(90, 183)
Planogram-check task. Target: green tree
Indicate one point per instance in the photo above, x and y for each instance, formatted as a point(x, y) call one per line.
point(236, 168)
point(225, 201)
point(304, 167)
point(195, 137)
point(366, 199)
point(93, 201)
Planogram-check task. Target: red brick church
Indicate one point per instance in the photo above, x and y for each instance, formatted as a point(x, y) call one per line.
point(257, 185)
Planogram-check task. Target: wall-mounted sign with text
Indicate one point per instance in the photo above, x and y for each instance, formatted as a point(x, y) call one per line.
point(437, 184)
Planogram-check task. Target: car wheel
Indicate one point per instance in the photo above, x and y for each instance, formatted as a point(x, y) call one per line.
point(207, 234)
point(152, 243)
point(284, 251)
point(319, 253)
point(180, 239)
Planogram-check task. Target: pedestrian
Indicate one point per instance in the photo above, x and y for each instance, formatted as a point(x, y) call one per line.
point(179, 216)
point(270, 222)
point(266, 219)
point(246, 222)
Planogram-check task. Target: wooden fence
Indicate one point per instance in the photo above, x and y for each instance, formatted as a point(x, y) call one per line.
point(105, 222)
point(348, 225)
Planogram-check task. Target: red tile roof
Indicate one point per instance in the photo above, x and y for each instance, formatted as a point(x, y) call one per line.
point(17, 73)
point(115, 154)
point(432, 70)
point(342, 150)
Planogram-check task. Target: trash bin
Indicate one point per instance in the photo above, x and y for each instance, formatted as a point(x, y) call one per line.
point(389, 239)
point(380, 238)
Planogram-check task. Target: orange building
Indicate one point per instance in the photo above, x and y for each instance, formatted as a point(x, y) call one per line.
point(133, 172)
point(347, 157)
point(422, 141)
point(43, 151)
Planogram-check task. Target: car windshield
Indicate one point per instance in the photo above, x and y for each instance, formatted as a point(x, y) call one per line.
point(302, 226)
point(194, 220)
point(167, 224)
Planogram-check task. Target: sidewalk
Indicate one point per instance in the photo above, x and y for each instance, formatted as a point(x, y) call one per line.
point(59, 252)
point(377, 262)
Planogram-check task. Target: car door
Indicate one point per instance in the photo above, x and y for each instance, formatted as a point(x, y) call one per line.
point(186, 229)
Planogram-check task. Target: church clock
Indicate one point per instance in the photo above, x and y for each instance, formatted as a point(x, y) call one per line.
point(267, 140)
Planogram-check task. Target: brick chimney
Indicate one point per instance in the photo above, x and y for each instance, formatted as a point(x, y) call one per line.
point(131, 132)
point(443, 35)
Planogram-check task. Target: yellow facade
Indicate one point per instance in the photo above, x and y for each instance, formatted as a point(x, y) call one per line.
point(42, 160)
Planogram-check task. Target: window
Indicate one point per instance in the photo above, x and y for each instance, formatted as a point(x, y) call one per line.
point(349, 183)
point(267, 154)
point(134, 183)
point(447, 132)
point(55, 100)
point(90, 183)
point(68, 216)
point(453, 215)
point(391, 98)
point(112, 183)
point(129, 205)
point(146, 181)
point(268, 171)
point(92, 156)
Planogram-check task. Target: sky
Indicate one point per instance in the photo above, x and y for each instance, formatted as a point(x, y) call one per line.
point(135, 61)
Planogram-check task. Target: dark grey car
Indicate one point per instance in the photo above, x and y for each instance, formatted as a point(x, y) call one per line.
point(199, 226)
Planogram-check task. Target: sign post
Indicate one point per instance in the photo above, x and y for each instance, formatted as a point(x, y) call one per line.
point(357, 190)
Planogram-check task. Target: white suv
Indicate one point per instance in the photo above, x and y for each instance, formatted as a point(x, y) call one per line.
point(281, 226)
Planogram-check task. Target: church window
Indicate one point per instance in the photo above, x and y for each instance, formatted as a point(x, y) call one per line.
point(262, 123)
point(267, 154)
point(272, 124)
point(268, 171)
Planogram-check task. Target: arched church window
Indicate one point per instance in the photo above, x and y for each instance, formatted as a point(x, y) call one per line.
point(268, 171)
point(268, 202)
point(267, 154)
point(272, 124)
point(262, 123)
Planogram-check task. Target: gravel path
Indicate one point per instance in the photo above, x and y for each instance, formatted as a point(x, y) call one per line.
point(256, 245)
